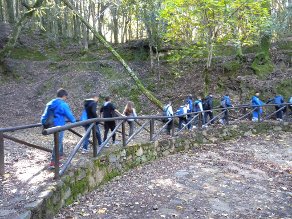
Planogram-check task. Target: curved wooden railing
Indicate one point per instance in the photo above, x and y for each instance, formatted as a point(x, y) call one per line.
point(246, 110)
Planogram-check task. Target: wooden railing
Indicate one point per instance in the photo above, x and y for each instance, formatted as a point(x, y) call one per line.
point(147, 121)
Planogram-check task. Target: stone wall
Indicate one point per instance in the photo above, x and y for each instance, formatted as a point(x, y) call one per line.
point(97, 171)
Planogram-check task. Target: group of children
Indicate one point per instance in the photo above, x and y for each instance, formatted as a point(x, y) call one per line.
point(57, 112)
point(191, 107)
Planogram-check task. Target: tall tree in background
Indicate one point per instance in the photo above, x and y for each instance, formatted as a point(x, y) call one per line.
point(10, 11)
point(204, 24)
point(132, 74)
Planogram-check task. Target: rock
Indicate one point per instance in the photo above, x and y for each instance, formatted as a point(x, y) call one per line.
point(34, 205)
point(112, 158)
point(182, 174)
point(247, 134)
point(25, 215)
point(139, 152)
point(5, 213)
point(278, 128)
point(155, 207)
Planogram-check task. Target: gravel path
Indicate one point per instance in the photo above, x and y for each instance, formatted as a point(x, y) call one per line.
point(246, 178)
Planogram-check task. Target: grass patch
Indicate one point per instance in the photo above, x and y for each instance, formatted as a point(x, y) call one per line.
point(285, 88)
point(28, 54)
point(133, 54)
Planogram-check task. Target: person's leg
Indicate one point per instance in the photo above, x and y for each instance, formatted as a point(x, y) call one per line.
point(277, 113)
point(98, 135)
point(168, 127)
point(211, 117)
point(185, 120)
point(60, 147)
point(255, 116)
point(180, 121)
point(196, 120)
point(131, 128)
point(112, 127)
point(188, 120)
point(106, 129)
point(85, 144)
point(206, 117)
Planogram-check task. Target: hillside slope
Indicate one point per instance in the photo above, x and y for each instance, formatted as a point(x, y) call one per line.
point(37, 72)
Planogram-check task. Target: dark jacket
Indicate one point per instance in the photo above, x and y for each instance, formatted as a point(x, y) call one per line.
point(108, 110)
point(208, 103)
point(90, 107)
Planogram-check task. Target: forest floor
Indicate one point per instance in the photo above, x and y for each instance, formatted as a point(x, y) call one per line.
point(245, 178)
point(168, 180)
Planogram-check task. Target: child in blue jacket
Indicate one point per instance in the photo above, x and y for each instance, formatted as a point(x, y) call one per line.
point(257, 106)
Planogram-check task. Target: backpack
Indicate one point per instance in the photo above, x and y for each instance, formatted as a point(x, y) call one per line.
point(223, 102)
point(83, 116)
point(206, 104)
point(180, 112)
point(190, 105)
point(278, 100)
point(196, 106)
point(49, 122)
point(164, 113)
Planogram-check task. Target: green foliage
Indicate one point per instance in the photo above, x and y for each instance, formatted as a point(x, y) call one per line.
point(285, 89)
point(26, 53)
point(232, 67)
point(131, 92)
point(134, 54)
point(212, 22)
point(262, 64)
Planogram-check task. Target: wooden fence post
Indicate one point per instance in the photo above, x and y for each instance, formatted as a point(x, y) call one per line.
point(57, 154)
point(124, 134)
point(94, 140)
point(200, 116)
point(2, 169)
point(151, 129)
point(172, 127)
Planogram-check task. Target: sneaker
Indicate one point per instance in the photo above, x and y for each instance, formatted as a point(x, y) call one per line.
point(84, 151)
point(52, 165)
point(205, 126)
point(107, 145)
point(194, 127)
point(115, 142)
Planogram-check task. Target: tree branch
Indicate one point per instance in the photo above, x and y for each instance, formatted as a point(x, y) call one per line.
point(132, 74)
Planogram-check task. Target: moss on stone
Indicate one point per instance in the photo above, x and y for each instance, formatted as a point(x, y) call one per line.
point(110, 174)
point(262, 64)
point(232, 67)
point(285, 88)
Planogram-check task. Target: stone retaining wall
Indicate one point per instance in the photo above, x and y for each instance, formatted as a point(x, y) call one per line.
point(90, 174)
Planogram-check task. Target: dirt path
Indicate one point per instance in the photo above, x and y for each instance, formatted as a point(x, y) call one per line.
point(246, 178)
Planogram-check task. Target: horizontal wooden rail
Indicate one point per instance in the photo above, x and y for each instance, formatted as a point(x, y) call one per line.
point(26, 143)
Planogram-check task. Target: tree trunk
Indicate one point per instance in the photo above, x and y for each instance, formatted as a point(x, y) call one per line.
point(14, 36)
point(10, 11)
point(1, 11)
point(132, 74)
point(84, 29)
point(115, 25)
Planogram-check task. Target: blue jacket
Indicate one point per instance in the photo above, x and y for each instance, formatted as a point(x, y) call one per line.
point(278, 100)
point(61, 112)
point(256, 102)
point(197, 107)
point(189, 101)
point(227, 101)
